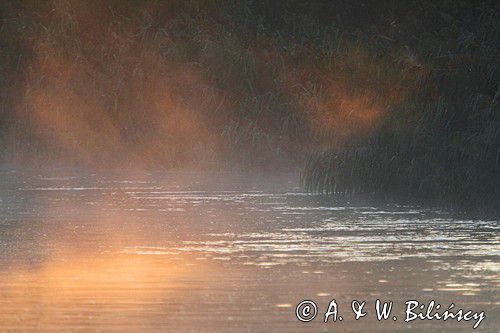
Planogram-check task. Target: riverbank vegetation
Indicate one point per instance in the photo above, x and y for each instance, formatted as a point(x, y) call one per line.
point(397, 100)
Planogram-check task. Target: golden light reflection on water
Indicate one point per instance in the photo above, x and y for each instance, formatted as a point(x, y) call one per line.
point(75, 276)
point(89, 288)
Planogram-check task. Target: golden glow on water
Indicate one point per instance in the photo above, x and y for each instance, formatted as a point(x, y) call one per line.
point(81, 291)
point(83, 273)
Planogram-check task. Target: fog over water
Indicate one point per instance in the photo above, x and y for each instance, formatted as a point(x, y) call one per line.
point(206, 166)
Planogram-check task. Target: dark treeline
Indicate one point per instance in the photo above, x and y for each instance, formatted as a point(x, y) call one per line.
point(398, 99)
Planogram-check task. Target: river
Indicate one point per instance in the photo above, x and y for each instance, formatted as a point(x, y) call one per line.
point(193, 252)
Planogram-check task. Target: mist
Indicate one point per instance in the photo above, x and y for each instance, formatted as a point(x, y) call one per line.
point(243, 166)
point(353, 101)
point(153, 84)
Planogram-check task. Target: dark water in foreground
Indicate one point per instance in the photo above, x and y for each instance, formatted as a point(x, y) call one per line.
point(204, 253)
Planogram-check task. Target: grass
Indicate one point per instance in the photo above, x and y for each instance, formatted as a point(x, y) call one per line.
point(441, 146)
point(368, 97)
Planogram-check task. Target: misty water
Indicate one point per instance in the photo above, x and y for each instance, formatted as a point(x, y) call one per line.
point(191, 252)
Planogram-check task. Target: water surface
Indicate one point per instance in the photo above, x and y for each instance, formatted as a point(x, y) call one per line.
point(187, 252)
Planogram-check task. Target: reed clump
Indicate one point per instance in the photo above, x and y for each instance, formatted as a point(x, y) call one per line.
point(441, 145)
